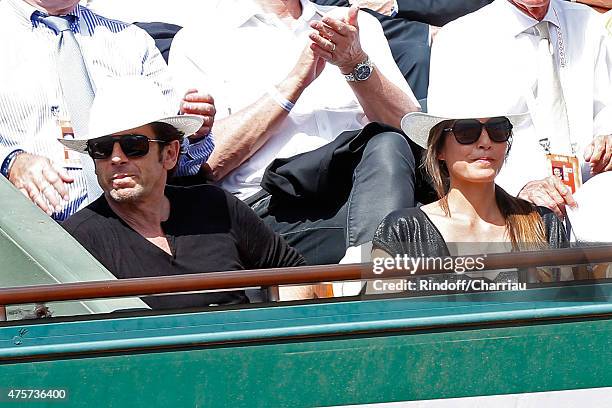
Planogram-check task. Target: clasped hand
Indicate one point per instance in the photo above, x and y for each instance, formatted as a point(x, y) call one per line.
point(337, 40)
point(550, 193)
point(599, 154)
point(41, 181)
point(196, 103)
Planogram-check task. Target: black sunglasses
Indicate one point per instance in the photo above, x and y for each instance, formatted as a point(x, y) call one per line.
point(132, 145)
point(467, 131)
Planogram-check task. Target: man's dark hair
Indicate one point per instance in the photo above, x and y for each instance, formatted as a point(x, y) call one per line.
point(168, 133)
point(164, 131)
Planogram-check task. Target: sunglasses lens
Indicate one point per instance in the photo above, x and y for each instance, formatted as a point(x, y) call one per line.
point(499, 129)
point(134, 145)
point(100, 148)
point(467, 131)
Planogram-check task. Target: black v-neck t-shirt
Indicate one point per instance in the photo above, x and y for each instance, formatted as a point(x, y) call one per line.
point(208, 230)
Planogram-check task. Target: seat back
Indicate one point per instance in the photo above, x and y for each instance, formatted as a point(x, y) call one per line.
point(35, 250)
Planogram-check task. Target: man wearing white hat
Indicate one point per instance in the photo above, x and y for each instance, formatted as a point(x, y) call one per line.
point(55, 55)
point(141, 227)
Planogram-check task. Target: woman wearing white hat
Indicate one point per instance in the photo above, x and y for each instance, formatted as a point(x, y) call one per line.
point(463, 158)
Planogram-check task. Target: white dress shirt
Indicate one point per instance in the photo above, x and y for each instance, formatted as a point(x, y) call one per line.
point(179, 12)
point(31, 100)
point(487, 61)
point(248, 52)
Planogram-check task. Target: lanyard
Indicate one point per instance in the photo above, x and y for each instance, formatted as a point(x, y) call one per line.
point(560, 42)
point(531, 99)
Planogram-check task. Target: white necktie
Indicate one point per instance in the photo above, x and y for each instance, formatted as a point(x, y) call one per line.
point(551, 109)
point(77, 90)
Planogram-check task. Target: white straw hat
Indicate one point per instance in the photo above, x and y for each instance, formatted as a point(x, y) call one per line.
point(416, 125)
point(129, 102)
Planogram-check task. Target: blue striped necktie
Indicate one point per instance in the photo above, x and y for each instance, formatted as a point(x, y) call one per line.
point(76, 88)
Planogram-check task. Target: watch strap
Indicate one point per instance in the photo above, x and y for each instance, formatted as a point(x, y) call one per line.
point(351, 76)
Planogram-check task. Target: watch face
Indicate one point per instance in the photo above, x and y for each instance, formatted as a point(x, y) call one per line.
point(363, 72)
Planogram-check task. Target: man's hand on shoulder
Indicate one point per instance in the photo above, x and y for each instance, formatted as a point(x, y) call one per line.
point(197, 103)
point(41, 181)
point(337, 40)
point(599, 154)
point(550, 193)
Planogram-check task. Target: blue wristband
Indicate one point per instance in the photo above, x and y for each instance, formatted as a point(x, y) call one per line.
point(280, 99)
point(8, 162)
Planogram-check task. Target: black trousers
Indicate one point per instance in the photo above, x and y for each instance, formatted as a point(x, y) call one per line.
point(321, 229)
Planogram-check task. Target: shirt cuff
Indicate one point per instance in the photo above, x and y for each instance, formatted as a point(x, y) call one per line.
point(194, 155)
point(8, 161)
point(202, 149)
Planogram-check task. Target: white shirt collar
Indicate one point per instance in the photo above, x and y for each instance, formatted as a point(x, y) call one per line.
point(519, 22)
point(24, 10)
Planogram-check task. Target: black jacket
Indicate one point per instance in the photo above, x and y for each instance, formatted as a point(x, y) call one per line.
point(410, 231)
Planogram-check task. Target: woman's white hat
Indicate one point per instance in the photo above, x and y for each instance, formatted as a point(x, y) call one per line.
point(416, 125)
point(129, 102)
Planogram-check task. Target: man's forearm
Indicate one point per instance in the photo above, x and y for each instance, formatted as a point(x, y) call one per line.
point(382, 100)
point(241, 134)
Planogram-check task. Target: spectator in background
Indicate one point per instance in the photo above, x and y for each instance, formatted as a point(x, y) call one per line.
point(141, 227)
point(47, 92)
point(162, 19)
point(408, 32)
point(177, 12)
point(408, 26)
point(285, 92)
point(550, 57)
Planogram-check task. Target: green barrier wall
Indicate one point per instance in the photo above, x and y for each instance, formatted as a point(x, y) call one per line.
point(321, 354)
point(35, 250)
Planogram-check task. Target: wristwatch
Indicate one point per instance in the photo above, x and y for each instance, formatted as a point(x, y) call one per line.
point(361, 72)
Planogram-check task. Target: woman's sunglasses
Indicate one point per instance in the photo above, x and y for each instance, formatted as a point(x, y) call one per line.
point(132, 145)
point(467, 131)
